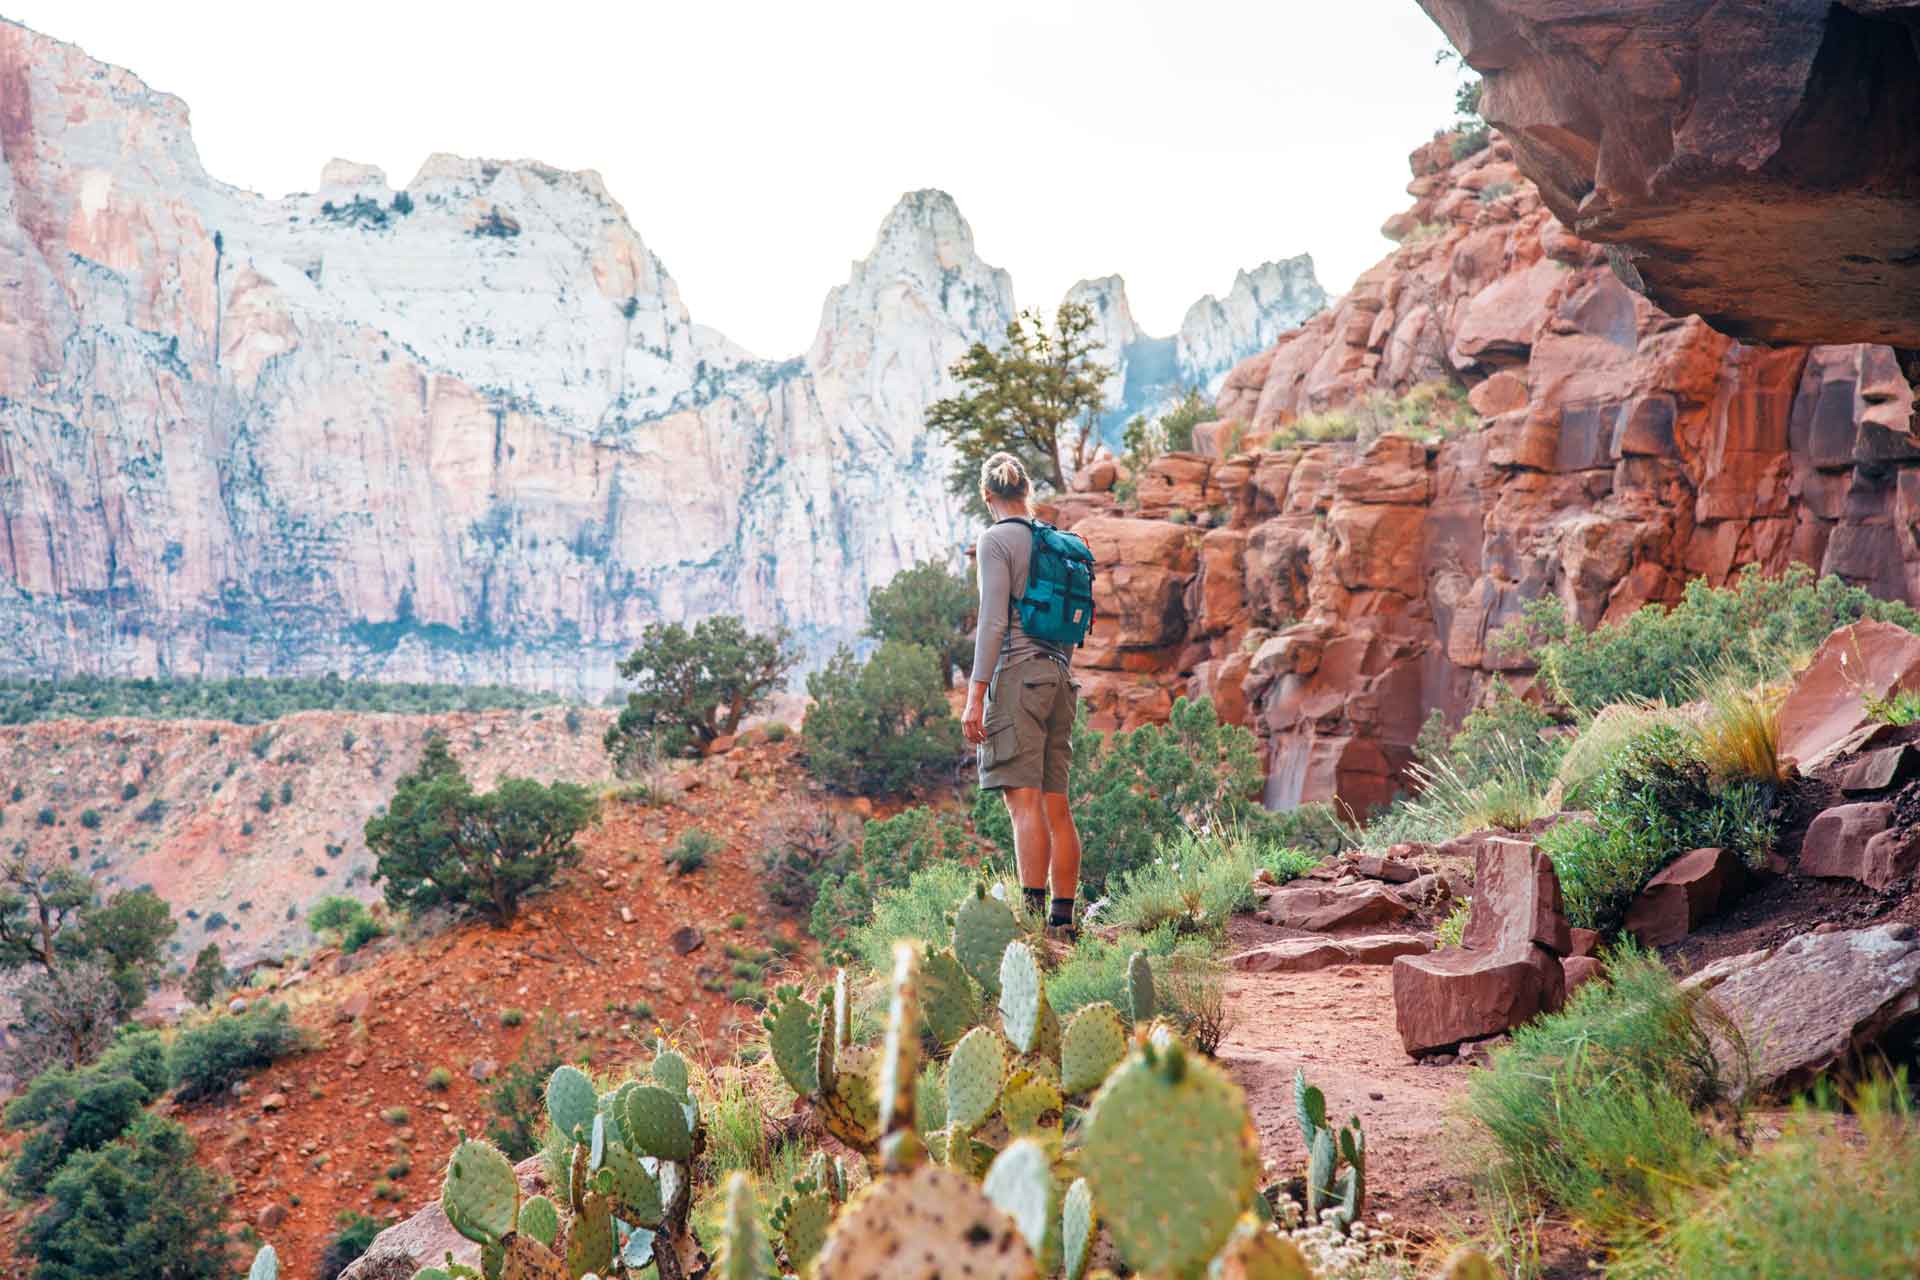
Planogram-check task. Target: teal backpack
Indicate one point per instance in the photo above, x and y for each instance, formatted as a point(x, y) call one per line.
point(1058, 605)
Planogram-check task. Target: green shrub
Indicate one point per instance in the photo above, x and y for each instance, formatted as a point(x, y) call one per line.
point(1287, 862)
point(882, 726)
point(931, 606)
point(439, 1080)
point(245, 700)
point(139, 1206)
point(1901, 706)
point(206, 1059)
point(778, 730)
point(1197, 881)
point(695, 686)
point(90, 819)
point(1096, 968)
point(63, 1111)
point(1758, 625)
point(519, 1097)
point(1592, 1108)
point(692, 851)
point(208, 978)
point(918, 909)
point(1430, 411)
point(802, 845)
point(360, 932)
point(891, 852)
point(353, 1237)
point(1819, 1202)
point(441, 843)
point(1654, 801)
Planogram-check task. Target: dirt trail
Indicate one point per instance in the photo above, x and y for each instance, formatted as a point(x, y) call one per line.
point(1338, 1025)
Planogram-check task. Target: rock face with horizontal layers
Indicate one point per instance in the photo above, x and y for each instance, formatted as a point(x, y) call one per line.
point(1758, 160)
point(1331, 595)
point(464, 430)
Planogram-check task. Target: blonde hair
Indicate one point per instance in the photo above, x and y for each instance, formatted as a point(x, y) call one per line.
point(1002, 478)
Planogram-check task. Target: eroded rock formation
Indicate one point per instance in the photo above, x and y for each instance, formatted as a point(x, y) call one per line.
point(1331, 595)
point(1760, 160)
point(462, 430)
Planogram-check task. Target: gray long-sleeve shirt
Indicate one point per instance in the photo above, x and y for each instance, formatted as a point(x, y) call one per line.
point(1002, 556)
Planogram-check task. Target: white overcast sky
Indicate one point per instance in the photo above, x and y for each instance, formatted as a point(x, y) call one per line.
point(756, 146)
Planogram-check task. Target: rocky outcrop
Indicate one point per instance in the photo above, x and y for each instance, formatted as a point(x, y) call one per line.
point(1758, 161)
point(1333, 594)
point(464, 429)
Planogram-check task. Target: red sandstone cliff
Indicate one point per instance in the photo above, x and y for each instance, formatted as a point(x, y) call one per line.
point(1330, 596)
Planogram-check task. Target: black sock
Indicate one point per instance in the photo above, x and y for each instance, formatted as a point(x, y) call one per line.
point(1062, 911)
point(1036, 900)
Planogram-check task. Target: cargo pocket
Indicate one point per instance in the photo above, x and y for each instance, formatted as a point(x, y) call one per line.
point(1037, 694)
point(1003, 741)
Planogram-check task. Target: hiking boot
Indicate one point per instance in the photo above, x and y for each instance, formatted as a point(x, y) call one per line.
point(1067, 933)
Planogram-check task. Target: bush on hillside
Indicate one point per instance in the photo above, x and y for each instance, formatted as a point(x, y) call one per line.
point(353, 1237)
point(208, 1058)
point(1757, 625)
point(695, 686)
point(891, 852)
point(800, 846)
point(1131, 791)
point(1655, 800)
point(931, 606)
point(440, 843)
point(519, 1096)
point(63, 1111)
point(66, 1017)
point(883, 726)
point(249, 700)
point(346, 921)
point(208, 977)
point(139, 1206)
point(1143, 440)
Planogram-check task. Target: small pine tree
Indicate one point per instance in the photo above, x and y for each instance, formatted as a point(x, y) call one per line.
point(929, 605)
point(208, 977)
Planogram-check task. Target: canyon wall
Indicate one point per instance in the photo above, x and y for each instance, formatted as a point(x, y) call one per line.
point(463, 430)
point(1332, 594)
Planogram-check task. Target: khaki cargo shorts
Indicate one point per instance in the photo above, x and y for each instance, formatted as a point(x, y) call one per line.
point(1030, 709)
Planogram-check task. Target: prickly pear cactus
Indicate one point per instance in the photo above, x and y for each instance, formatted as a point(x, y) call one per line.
point(982, 928)
point(1353, 1184)
point(571, 1101)
point(1023, 996)
point(976, 1070)
point(1020, 1181)
point(266, 1265)
point(540, 1219)
point(850, 1110)
point(656, 1121)
point(528, 1259)
point(1309, 1107)
point(1093, 1044)
point(948, 999)
point(1172, 1158)
point(1258, 1254)
point(925, 1225)
point(1141, 1005)
point(793, 1036)
point(590, 1237)
point(635, 1192)
point(800, 1223)
point(424, 1273)
point(480, 1195)
point(743, 1253)
point(1321, 1159)
point(1077, 1225)
point(1031, 1105)
point(900, 1050)
point(670, 1073)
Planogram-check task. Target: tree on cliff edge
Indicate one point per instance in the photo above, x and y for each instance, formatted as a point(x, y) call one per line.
point(695, 686)
point(441, 843)
point(1037, 398)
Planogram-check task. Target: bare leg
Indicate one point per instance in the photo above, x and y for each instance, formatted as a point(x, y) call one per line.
point(1063, 846)
point(1031, 837)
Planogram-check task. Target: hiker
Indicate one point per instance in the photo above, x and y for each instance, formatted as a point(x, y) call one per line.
point(1036, 603)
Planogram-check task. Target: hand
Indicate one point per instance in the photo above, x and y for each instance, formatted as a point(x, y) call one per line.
point(973, 721)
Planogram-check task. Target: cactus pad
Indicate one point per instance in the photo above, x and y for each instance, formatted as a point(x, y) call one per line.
point(539, 1219)
point(1077, 1225)
point(948, 1001)
point(528, 1259)
point(1020, 1181)
point(266, 1265)
point(850, 1111)
point(656, 1121)
point(1172, 1159)
point(802, 1223)
point(982, 928)
point(590, 1237)
point(571, 1101)
point(480, 1195)
point(743, 1253)
point(670, 1072)
point(634, 1191)
point(424, 1273)
point(826, 1048)
point(927, 1224)
point(976, 1070)
point(1309, 1107)
point(1321, 1158)
point(1258, 1254)
point(1141, 1005)
point(1023, 997)
point(1031, 1105)
point(900, 1050)
point(1093, 1045)
point(793, 1036)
